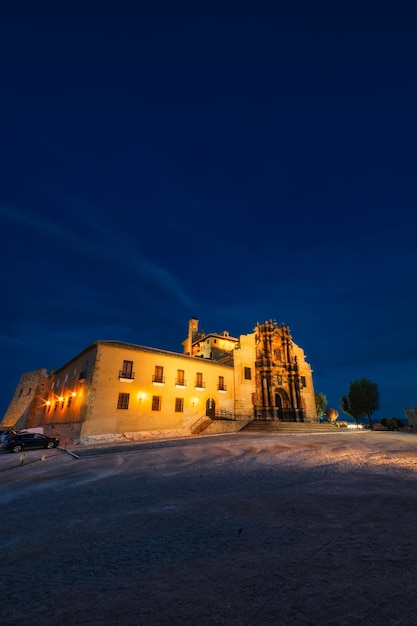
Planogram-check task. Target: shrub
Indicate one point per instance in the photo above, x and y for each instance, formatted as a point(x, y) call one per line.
point(392, 423)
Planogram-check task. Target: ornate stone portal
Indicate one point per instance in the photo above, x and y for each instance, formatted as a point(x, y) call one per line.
point(283, 377)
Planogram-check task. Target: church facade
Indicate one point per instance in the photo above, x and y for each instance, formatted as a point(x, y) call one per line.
point(116, 387)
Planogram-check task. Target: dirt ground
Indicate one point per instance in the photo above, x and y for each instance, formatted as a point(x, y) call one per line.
point(237, 529)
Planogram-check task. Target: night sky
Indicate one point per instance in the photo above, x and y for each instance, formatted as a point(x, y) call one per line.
point(231, 161)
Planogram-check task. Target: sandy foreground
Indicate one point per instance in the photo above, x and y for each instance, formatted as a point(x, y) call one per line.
point(238, 529)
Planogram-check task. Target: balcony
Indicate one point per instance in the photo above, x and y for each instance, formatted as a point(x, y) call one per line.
point(158, 381)
point(180, 383)
point(199, 384)
point(222, 388)
point(126, 377)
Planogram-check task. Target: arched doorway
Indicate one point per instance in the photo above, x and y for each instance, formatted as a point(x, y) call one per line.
point(210, 408)
point(282, 403)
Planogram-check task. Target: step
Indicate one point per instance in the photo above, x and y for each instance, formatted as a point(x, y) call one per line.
point(306, 427)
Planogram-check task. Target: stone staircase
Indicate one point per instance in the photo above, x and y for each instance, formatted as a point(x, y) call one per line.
point(288, 428)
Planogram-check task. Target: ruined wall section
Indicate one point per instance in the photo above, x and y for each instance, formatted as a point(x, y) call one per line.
point(24, 397)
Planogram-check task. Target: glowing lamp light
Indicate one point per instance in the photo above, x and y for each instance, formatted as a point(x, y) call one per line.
point(74, 393)
point(194, 401)
point(48, 402)
point(141, 396)
point(61, 399)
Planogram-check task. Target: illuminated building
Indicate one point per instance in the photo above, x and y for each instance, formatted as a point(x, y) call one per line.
point(218, 383)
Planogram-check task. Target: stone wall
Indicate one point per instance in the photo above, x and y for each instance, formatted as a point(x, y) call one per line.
point(23, 398)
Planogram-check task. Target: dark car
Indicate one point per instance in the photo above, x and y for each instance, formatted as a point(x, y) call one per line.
point(5, 434)
point(26, 441)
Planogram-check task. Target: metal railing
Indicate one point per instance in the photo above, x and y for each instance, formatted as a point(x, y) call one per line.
point(128, 375)
point(229, 415)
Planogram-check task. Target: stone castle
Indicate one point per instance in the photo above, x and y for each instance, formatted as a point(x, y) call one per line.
point(219, 383)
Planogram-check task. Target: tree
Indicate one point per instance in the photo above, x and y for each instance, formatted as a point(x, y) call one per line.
point(321, 402)
point(361, 400)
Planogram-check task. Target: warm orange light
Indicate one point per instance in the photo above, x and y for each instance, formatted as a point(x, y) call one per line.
point(48, 402)
point(74, 393)
point(61, 399)
point(141, 396)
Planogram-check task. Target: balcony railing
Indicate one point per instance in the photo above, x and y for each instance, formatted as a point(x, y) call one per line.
point(158, 380)
point(180, 382)
point(199, 384)
point(222, 387)
point(126, 375)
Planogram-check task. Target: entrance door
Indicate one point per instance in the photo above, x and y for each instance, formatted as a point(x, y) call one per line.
point(210, 408)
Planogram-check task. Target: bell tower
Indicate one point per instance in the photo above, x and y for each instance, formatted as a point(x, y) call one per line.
point(192, 333)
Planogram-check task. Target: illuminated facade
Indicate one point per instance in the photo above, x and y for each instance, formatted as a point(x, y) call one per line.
point(116, 387)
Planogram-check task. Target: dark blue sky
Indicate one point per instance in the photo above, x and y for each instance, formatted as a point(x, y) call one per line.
point(232, 161)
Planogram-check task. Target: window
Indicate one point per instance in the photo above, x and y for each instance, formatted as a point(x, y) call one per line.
point(158, 377)
point(83, 373)
point(123, 401)
point(279, 379)
point(221, 386)
point(199, 380)
point(303, 381)
point(56, 406)
point(156, 403)
point(29, 391)
point(127, 370)
point(180, 378)
point(179, 405)
point(248, 373)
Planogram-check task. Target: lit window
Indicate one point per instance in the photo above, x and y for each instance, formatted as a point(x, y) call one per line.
point(221, 386)
point(179, 405)
point(158, 377)
point(199, 380)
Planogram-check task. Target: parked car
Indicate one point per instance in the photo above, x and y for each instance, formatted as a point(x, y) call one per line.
point(4, 434)
point(24, 441)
